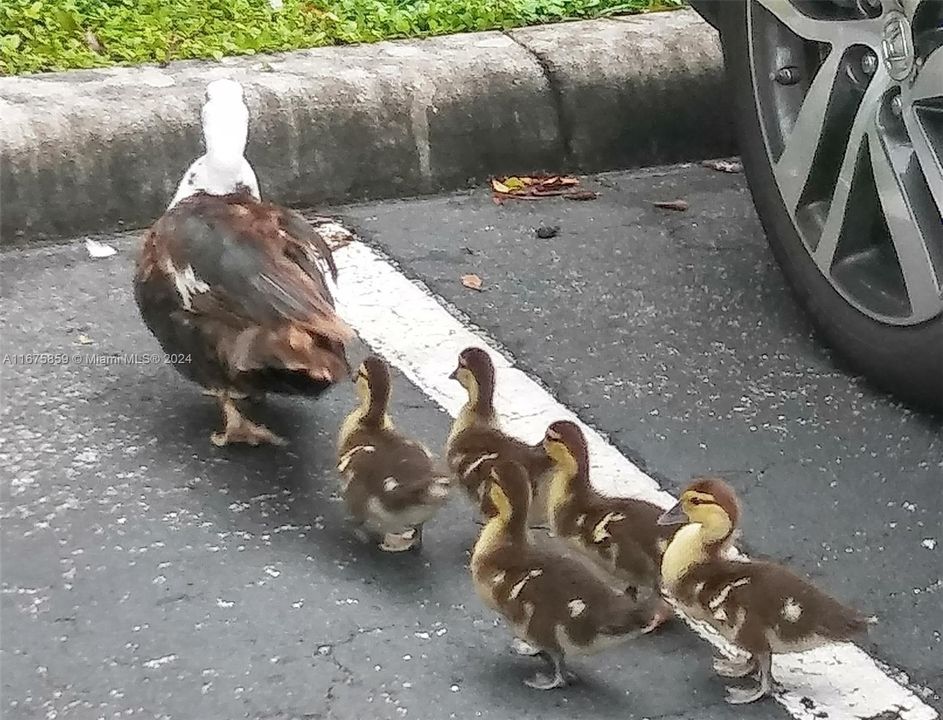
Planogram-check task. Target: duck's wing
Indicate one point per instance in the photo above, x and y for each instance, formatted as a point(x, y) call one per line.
point(247, 276)
point(257, 261)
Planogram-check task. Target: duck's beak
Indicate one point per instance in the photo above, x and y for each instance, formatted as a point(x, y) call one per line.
point(454, 375)
point(674, 516)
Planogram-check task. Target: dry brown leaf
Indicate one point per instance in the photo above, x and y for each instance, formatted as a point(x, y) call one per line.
point(472, 282)
point(724, 166)
point(526, 187)
point(678, 205)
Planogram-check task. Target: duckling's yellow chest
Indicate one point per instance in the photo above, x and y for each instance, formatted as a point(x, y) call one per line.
point(486, 577)
point(685, 550)
point(489, 539)
point(465, 419)
point(352, 423)
point(559, 496)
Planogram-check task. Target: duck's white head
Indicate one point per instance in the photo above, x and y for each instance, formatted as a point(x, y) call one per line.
point(224, 168)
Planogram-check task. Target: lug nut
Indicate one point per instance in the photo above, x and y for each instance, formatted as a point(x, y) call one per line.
point(787, 75)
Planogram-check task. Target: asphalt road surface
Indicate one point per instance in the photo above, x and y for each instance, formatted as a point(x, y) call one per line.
point(146, 573)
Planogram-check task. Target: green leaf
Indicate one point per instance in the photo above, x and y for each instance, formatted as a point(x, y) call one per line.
point(68, 21)
point(41, 35)
point(9, 43)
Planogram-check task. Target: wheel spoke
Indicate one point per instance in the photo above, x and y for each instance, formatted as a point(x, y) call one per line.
point(926, 156)
point(916, 263)
point(793, 167)
point(839, 34)
point(865, 117)
point(928, 84)
point(911, 7)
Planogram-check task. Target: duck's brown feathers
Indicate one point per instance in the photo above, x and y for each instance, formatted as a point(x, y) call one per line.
point(238, 285)
point(390, 483)
point(553, 601)
point(471, 454)
point(621, 534)
point(763, 607)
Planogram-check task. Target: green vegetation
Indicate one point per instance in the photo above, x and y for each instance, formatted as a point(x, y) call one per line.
point(40, 35)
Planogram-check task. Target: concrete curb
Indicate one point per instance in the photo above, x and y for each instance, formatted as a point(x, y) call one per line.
point(90, 151)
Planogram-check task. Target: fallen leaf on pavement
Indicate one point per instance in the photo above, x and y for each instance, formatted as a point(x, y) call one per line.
point(85, 340)
point(527, 187)
point(679, 205)
point(98, 249)
point(472, 282)
point(725, 166)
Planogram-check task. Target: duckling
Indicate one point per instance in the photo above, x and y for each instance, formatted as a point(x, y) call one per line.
point(760, 607)
point(554, 603)
point(476, 440)
point(622, 535)
point(389, 482)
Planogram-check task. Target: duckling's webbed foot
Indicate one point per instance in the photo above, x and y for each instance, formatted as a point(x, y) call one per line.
point(558, 676)
point(239, 429)
point(397, 542)
point(742, 696)
point(521, 647)
point(663, 613)
point(734, 667)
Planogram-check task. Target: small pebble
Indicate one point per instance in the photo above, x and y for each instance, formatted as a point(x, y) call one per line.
point(545, 232)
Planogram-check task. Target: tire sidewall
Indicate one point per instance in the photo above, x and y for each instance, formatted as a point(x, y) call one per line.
point(907, 360)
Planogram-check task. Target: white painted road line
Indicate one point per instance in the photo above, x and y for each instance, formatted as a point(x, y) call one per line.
point(405, 323)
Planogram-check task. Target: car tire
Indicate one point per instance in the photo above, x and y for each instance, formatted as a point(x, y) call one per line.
point(905, 360)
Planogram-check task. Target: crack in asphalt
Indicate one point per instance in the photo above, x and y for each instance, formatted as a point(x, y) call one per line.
point(343, 675)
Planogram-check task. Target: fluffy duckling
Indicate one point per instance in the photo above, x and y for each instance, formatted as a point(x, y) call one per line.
point(389, 482)
point(476, 440)
point(622, 535)
point(237, 288)
point(556, 604)
point(760, 607)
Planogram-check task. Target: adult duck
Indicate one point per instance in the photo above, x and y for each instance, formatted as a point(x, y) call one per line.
point(234, 288)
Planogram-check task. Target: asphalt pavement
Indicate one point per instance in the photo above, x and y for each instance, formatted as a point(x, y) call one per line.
point(147, 573)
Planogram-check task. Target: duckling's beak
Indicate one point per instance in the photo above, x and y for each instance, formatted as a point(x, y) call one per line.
point(674, 516)
point(454, 375)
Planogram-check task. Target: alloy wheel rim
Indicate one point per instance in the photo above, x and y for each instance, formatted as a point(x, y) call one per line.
point(850, 101)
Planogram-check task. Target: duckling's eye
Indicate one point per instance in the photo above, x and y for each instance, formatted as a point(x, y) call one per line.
point(699, 501)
